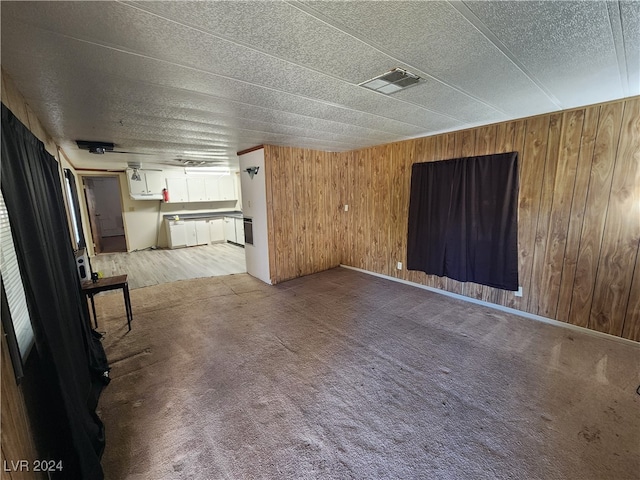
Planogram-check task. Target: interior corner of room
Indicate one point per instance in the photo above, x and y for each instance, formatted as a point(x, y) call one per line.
point(453, 238)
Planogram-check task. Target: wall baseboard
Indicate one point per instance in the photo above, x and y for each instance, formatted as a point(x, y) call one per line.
point(513, 311)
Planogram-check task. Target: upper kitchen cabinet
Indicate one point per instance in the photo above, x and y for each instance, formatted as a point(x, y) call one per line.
point(209, 188)
point(177, 188)
point(148, 187)
point(227, 188)
point(220, 188)
point(196, 189)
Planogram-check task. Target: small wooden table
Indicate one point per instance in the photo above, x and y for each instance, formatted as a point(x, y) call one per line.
point(90, 288)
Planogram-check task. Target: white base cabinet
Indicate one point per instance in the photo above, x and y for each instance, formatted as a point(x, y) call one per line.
point(187, 233)
point(216, 230)
point(239, 231)
point(202, 232)
point(230, 229)
point(176, 233)
point(190, 228)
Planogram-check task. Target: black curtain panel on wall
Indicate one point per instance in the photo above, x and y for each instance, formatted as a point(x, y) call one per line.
point(71, 355)
point(463, 219)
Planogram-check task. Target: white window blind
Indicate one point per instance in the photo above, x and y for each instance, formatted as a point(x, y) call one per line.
point(13, 284)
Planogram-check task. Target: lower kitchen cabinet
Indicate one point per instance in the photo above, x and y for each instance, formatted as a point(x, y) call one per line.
point(230, 229)
point(239, 231)
point(202, 232)
point(187, 233)
point(176, 234)
point(216, 230)
point(190, 228)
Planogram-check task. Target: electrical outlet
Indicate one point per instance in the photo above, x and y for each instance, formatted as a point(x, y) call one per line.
point(346, 208)
point(399, 267)
point(518, 293)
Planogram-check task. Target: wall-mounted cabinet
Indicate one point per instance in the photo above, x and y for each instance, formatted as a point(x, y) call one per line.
point(227, 188)
point(149, 187)
point(177, 188)
point(202, 189)
point(196, 191)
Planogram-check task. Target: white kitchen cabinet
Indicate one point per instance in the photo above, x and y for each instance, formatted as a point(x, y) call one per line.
point(230, 229)
point(227, 188)
point(216, 230)
point(211, 190)
point(176, 233)
point(202, 232)
point(177, 188)
point(190, 229)
point(239, 231)
point(149, 187)
point(196, 190)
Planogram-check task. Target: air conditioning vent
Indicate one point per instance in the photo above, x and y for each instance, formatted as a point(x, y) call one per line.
point(392, 81)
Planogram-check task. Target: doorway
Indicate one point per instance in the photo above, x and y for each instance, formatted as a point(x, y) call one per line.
point(105, 214)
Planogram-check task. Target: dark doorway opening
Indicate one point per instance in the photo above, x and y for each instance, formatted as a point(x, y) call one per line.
point(105, 213)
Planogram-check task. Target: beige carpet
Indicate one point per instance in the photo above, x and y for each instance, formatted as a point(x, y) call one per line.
point(343, 375)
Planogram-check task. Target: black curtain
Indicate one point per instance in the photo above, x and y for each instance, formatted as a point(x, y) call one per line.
point(463, 219)
point(72, 359)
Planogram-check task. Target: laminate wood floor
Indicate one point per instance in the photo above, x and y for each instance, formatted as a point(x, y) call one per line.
point(153, 267)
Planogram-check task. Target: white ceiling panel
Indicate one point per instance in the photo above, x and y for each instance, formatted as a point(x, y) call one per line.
point(435, 39)
point(573, 54)
point(176, 76)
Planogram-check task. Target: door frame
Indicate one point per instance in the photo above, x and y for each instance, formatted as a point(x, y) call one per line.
point(94, 224)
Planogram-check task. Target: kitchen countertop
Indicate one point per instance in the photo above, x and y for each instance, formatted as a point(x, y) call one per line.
point(197, 216)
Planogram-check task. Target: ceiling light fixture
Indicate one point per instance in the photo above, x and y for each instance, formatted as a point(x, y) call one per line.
point(393, 81)
point(207, 170)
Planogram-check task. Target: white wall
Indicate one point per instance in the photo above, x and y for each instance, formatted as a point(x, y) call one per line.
point(254, 205)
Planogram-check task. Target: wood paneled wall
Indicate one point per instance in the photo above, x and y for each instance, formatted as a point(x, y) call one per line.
point(303, 204)
point(578, 212)
point(578, 215)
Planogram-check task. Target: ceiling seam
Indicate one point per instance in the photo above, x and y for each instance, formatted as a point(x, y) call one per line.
point(268, 109)
point(217, 97)
point(297, 65)
point(252, 131)
point(479, 25)
point(233, 117)
point(281, 92)
point(614, 14)
point(318, 16)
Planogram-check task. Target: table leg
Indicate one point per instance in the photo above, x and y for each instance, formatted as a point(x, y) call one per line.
point(127, 304)
point(93, 308)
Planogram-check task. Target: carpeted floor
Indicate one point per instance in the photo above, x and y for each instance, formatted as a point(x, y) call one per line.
point(343, 375)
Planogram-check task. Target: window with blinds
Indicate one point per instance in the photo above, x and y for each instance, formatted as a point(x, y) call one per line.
point(12, 281)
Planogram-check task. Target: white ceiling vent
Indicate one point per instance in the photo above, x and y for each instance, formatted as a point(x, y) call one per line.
point(392, 81)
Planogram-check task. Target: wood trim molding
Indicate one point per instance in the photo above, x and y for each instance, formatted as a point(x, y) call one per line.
point(249, 150)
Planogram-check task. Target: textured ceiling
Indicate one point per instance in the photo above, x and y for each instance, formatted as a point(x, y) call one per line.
point(171, 78)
